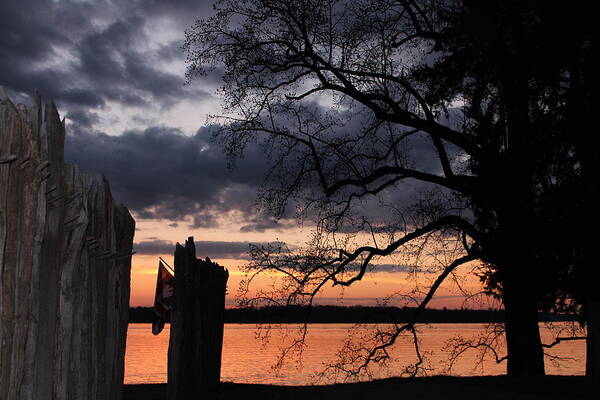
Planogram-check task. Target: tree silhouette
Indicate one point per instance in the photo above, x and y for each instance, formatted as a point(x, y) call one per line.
point(354, 100)
point(543, 48)
point(516, 88)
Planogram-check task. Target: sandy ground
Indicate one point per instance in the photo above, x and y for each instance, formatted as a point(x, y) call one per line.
point(440, 387)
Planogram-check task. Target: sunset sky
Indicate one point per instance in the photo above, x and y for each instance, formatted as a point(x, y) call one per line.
point(116, 71)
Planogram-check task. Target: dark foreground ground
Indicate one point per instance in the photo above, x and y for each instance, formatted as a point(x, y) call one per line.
point(439, 387)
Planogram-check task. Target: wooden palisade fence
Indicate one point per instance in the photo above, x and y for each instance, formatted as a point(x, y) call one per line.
point(65, 259)
point(196, 337)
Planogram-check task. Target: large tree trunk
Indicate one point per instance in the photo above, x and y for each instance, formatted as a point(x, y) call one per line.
point(583, 105)
point(592, 366)
point(519, 277)
point(197, 318)
point(65, 258)
point(591, 271)
point(516, 220)
point(523, 342)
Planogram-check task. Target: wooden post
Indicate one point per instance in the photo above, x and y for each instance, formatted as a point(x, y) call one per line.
point(65, 260)
point(196, 337)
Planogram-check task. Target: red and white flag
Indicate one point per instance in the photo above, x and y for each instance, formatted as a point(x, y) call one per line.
point(163, 299)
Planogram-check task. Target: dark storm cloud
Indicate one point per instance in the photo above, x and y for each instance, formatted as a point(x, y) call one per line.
point(212, 249)
point(87, 54)
point(83, 54)
point(84, 118)
point(261, 226)
point(161, 173)
point(203, 220)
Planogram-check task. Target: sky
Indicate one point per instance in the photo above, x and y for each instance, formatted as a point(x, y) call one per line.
point(116, 71)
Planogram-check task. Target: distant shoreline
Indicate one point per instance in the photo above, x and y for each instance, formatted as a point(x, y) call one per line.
point(352, 314)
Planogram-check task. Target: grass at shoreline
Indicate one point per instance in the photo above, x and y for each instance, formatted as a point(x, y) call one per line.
point(436, 387)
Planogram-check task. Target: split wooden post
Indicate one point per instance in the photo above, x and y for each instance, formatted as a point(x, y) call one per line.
point(196, 338)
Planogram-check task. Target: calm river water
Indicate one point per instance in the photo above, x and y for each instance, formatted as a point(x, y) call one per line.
point(247, 359)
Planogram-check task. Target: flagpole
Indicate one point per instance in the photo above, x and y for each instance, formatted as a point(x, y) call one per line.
point(167, 264)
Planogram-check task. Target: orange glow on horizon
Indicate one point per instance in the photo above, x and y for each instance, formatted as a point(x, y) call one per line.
point(372, 290)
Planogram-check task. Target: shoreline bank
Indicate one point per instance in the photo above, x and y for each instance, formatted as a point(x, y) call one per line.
point(435, 387)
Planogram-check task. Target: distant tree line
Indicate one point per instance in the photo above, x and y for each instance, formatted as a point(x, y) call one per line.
point(353, 314)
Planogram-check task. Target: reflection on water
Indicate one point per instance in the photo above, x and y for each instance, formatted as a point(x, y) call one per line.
point(248, 360)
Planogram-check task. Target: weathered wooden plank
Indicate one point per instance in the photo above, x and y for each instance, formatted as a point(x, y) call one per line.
point(63, 308)
point(196, 337)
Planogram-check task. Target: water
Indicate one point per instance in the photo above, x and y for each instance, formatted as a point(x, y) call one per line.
point(247, 359)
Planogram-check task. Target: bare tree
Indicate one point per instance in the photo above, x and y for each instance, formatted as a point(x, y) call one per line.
point(356, 101)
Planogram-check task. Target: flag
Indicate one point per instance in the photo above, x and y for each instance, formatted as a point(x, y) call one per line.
point(163, 298)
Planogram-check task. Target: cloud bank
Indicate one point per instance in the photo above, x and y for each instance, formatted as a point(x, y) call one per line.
point(211, 249)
